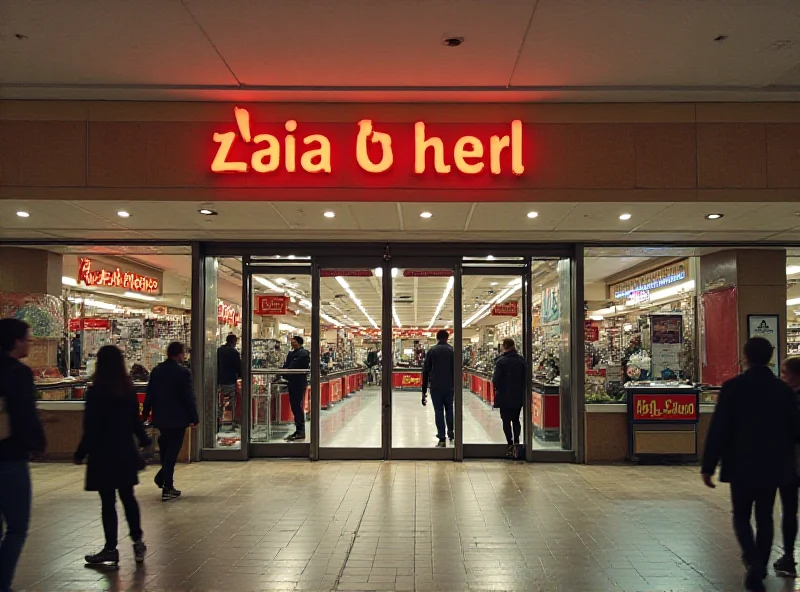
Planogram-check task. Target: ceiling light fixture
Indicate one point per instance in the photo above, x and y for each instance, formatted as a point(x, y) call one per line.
point(343, 283)
point(137, 296)
point(447, 291)
point(493, 284)
point(713, 216)
point(22, 214)
point(207, 212)
point(426, 215)
point(267, 284)
point(792, 269)
point(396, 318)
point(330, 214)
point(123, 214)
point(533, 214)
point(68, 281)
point(624, 216)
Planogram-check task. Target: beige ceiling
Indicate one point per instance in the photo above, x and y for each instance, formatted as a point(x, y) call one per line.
point(651, 222)
point(514, 50)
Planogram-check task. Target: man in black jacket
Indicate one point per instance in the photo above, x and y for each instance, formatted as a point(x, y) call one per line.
point(297, 359)
point(786, 565)
point(171, 397)
point(229, 370)
point(752, 433)
point(21, 435)
point(509, 393)
point(438, 374)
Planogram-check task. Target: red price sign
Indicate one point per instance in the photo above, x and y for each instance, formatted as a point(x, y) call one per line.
point(345, 273)
point(89, 324)
point(271, 306)
point(509, 309)
point(410, 273)
point(675, 407)
point(590, 332)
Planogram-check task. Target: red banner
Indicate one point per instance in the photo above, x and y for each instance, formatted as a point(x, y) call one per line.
point(345, 273)
point(675, 407)
point(272, 306)
point(410, 273)
point(89, 324)
point(509, 309)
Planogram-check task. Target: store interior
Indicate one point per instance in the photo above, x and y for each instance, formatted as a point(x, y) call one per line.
point(643, 326)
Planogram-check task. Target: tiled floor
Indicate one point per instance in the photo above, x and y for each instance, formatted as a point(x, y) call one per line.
point(291, 525)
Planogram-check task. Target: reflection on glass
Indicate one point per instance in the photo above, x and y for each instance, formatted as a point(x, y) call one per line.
point(350, 358)
point(491, 312)
point(423, 305)
point(281, 361)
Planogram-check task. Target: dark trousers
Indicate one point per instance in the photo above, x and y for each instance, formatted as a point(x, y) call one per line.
point(170, 442)
point(511, 425)
point(15, 515)
point(443, 412)
point(755, 549)
point(296, 396)
point(789, 495)
point(108, 499)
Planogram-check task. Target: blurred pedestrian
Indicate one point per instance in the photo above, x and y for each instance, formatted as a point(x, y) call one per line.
point(171, 398)
point(752, 434)
point(509, 393)
point(110, 423)
point(786, 566)
point(21, 435)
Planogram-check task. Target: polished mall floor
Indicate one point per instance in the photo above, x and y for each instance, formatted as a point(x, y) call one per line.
point(298, 525)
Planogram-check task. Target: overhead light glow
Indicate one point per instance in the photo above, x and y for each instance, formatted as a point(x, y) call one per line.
point(123, 214)
point(287, 327)
point(22, 214)
point(493, 284)
point(595, 318)
point(533, 214)
point(624, 216)
point(426, 215)
point(207, 212)
point(793, 302)
point(447, 291)
point(268, 284)
point(343, 283)
point(672, 291)
point(330, 214)
point(68, 281)
point(396, 318)
point(792, 269)
point(137, 296)
point(713, 216)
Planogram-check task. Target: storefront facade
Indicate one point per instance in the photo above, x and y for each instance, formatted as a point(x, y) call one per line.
point(532, 285)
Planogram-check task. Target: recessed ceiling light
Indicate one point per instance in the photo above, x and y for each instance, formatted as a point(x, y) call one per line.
point(713, 216)
point(452, 41)
point(330, 214)
point(490, 258)
point(493, 284)
point(123, 214)
point(23, 214)
point(207, 212)
point(426, 215)
point(533, 214)
point(624, 216)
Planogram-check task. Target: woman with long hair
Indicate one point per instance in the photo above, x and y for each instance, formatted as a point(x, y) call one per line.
point(110, 422)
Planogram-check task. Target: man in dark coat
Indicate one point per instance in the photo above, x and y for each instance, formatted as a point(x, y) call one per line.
point(509, 393)
point(229, 370)
point(297, 359)
point(171, 397)
point(21, 435)
point(786, 565)
point(752, 433)
point(438, 374)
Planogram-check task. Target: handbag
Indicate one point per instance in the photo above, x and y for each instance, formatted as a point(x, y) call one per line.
point(5, 421)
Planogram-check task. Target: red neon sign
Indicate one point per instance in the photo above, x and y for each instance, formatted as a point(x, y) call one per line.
point(227, 315)
point(376, 151)
point(274, 306)
point(115, 278)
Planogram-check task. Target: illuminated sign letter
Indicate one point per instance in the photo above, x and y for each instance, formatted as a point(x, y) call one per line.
point(421, 146)
point(321, 154)
point(289, 159)
point(496, 145)
point(462, 153)
point(362, 154)
point(272, 152)
point(516, 147)
point(220, 163)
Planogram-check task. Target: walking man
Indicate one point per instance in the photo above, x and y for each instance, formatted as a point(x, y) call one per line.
point(229, 370)
point(297, 359)
point(509, 393)
point(438, 374)
point(752, 434)
point(21, 435)
point(171, 397)
point(786, 565)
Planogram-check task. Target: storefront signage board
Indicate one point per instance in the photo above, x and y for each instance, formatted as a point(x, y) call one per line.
point(666, 339)
point(675, 407)
point(768, 327)
point(116, 278)
point(415, 273)
point(411, 380)
point(640, 286)
point(89, 324)
point(507, 309)
point(271, 306)
point(346, 273)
